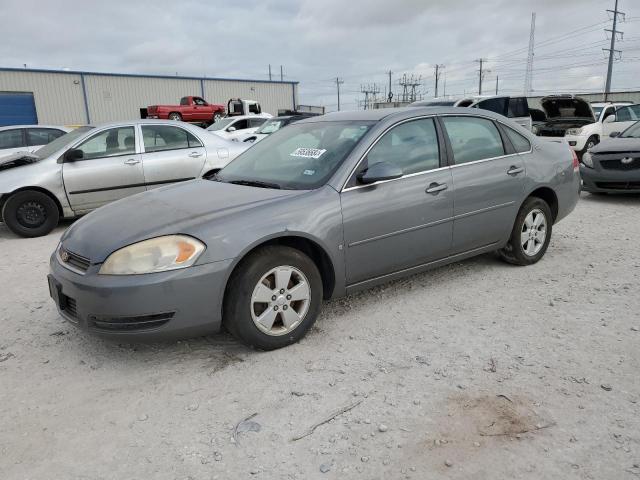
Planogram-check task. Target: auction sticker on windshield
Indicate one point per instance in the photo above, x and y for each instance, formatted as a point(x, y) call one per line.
point(308, 152)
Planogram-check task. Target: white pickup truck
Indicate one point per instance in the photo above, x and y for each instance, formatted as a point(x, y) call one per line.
point(610, 117)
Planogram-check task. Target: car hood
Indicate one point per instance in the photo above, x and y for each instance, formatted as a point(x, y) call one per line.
point(16, 159)
point(569, 109)
point(182, 208)
point(615, 145)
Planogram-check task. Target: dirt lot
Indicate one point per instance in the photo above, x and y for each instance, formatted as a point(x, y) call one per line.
point(476, 370)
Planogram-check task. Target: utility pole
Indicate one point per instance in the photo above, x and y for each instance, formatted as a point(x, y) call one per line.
point(390, 95)
point(269, 72)
point(438, 73)
point(338, 83)
point(497, 84)
point(481, 74)
point(281, 74)
point(612, 49)
point(528, 76)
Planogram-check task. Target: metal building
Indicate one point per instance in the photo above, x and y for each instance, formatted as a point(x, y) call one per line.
point(63, 97)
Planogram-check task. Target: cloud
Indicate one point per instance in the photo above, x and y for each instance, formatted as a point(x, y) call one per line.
point(317, 41)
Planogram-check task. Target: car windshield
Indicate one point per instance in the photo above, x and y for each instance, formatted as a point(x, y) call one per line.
point(302, 156)
point(221, 124)
point(270, 126)
point(61, 142)
point(632, 132)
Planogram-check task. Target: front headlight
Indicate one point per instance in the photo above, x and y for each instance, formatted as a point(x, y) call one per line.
point(574, 131)
point(587, 160)
point(154, 255)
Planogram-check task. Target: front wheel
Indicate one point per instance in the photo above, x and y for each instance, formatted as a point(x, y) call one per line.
point(531, 233)
point(216, 117)
point(30, 213)
point(273, 298)
point(175, 116)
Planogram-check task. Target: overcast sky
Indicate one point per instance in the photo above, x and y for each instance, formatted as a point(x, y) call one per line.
point(319, 40)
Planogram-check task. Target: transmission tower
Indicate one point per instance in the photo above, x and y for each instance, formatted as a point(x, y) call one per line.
point(370, 94)
point(409, 86)
point(612, 48)
point(339, 82)
point(482, 72)
point(528, 77)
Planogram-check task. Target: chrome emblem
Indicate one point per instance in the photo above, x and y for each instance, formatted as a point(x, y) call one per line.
point(64, 256)
point(626, 160)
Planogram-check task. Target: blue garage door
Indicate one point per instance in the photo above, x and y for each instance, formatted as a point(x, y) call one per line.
point(17, 109)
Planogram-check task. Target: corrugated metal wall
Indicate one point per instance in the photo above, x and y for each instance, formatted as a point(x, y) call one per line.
point(59, 95)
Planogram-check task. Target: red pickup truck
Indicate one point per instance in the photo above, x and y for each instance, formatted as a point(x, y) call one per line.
point(191, 109)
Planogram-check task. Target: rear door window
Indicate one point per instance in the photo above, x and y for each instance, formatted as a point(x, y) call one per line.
point(11, 138)
point(518, 107)
point(473, 139)
point(158, 138)
point(497, 105)
point(42, 136)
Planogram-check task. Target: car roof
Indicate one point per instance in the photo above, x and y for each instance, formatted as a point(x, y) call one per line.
point(377, 115)
point(11, 127)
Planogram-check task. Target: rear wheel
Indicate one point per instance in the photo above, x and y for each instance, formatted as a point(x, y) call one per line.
point(216, 117)
point(30, 213)
point(531, 233)
point(175, 116)
point(273, 298)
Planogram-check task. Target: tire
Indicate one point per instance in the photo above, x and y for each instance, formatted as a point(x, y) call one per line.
point(175, 116)
point(216, 116)
point(592, 141)
point(254, 280)
point(30, 213)
point(533, 249)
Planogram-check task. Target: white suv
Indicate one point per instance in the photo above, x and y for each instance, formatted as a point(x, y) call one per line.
point(583, 138)
point(232, 128)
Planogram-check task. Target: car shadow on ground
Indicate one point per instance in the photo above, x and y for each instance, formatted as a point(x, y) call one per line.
point(6, 234)
point(611, 198)
point(222, 349)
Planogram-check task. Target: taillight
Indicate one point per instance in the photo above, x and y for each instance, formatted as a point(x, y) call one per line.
point(576, 163)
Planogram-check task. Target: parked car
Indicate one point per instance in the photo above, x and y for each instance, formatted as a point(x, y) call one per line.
point(515, 108)
point(562, 113)
point(232, 128)
point(27, 138)
point(324, 207)
point(270, 126)
point(613, 165)
point(191, 109)
point(583, 138)
point(92, 166)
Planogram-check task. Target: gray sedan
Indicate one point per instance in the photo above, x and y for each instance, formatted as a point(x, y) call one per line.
point(92, 166)
point(320, 209)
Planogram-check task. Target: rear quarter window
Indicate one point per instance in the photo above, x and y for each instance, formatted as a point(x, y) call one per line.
point(520, 143)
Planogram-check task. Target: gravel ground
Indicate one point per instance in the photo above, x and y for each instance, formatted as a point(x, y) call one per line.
point(475, 370)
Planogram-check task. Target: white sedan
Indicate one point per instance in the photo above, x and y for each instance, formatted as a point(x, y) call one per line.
point(232, 128)
point(27, 138)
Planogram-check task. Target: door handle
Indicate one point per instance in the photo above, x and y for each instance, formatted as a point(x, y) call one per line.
point(513, 171)
point(195, 154)
point(132, 161)
point(434, 188)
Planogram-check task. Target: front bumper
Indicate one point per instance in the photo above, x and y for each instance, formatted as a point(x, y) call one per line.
point(599, 180)
point(576, 142)
point(167, 305)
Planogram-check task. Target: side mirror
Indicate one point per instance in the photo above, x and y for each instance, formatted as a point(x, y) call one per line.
point(231, 129)
point(73, 155)
point(614, 134)
point(609, 119)
point(379, 172)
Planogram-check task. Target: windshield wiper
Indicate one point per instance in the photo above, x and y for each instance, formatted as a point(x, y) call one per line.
point(255, 183)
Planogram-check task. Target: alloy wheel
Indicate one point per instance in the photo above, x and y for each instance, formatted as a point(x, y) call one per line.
point(534, 232)
point(280, 300)
point(31, 214)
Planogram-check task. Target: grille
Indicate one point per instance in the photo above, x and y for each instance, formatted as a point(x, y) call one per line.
point(74, 260)
point(618, 165)
point(619, 185)
point(128, 324)
point(70, 307)
point(551, 132)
